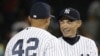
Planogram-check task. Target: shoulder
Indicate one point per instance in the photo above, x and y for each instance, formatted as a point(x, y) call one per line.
point(44, 34)
point(89, 43)
point(38, 30)
point(54, 42)
point(87, 40)
point(60, 38)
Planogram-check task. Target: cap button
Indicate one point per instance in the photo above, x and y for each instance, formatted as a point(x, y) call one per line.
point(34, 16)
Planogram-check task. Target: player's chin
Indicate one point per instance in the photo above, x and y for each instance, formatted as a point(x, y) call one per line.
point(66, 35)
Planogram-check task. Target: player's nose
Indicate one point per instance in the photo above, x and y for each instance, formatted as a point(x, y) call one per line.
point(66, 25)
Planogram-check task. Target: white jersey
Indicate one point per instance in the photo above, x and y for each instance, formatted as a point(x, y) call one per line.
point(33, 41)
point(84, 47)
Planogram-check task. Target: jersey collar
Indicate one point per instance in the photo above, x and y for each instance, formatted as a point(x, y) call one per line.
point(72, 41)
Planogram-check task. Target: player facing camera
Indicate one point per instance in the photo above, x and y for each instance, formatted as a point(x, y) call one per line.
point(69, 21)
point(74, 44)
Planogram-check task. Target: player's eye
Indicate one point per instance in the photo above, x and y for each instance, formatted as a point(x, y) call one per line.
point(69, 22)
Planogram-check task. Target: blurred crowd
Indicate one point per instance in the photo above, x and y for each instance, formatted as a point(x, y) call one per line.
point(13, 18)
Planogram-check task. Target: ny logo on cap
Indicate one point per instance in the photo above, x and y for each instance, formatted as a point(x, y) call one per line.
point(67, 11)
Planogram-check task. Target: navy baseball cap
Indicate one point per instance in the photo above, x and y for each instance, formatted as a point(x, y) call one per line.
point(71, 13)
point(40, 10)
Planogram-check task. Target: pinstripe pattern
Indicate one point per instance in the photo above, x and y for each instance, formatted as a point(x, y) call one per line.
point(48, 44)
point(84, 47)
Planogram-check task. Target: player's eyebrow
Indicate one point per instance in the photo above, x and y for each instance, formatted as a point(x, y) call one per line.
point(66, 18)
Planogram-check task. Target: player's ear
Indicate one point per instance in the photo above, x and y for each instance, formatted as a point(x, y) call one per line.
point(79, 23)
point(29, 18)
point(48, 20)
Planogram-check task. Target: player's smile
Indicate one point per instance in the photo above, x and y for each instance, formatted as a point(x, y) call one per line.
point(66, 30)
point(68, 27)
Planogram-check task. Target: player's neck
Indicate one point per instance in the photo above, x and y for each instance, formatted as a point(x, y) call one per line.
point(38, 24)
point(42, 27)
point(72, 40)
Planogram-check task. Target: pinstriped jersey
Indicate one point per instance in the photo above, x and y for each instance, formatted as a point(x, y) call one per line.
point(84, 47)
point(33, 41)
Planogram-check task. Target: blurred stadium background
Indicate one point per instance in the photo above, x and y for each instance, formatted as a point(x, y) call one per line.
point(13, 18)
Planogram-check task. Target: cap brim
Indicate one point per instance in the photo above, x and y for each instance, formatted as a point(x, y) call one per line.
point(52, 16)
point(69, 17)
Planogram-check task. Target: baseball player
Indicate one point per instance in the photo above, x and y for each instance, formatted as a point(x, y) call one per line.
point(74, 44)
point(35, 40)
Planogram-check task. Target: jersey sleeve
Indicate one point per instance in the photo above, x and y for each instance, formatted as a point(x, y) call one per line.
point(9, 47)
point(7, 50)
point(53, 48)
point(93, 49)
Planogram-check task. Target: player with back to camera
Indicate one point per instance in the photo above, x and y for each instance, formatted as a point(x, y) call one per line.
point(35, 40)
point(74, 44)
